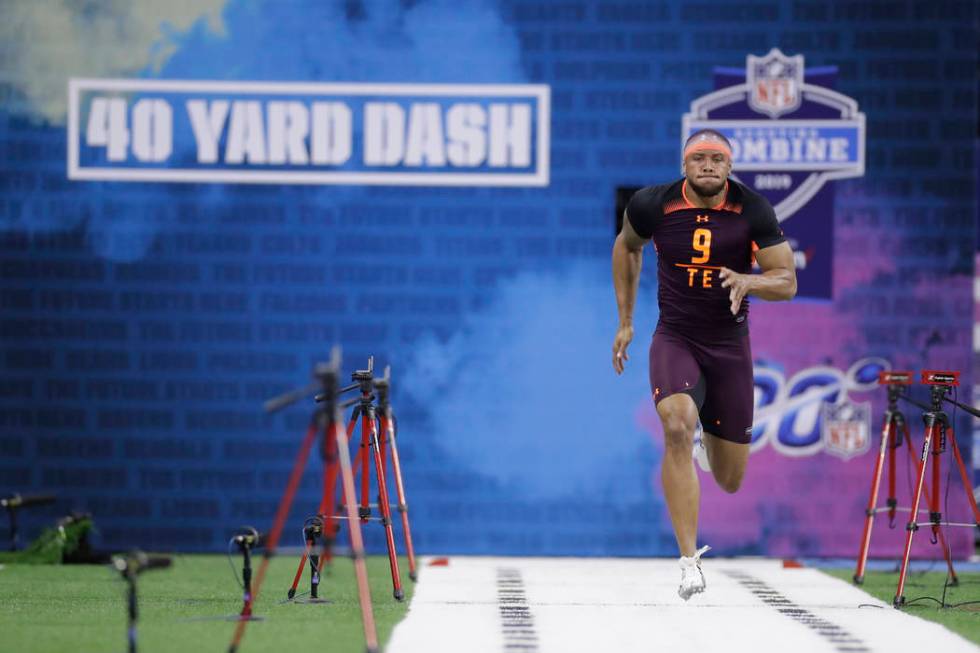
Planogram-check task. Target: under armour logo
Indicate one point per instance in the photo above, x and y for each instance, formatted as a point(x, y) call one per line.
point(702, 218)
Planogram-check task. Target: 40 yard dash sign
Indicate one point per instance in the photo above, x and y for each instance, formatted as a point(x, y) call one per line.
point(308, 133)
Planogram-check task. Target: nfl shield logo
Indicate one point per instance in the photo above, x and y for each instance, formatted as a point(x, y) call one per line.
point(775, 83)
point(846, 428)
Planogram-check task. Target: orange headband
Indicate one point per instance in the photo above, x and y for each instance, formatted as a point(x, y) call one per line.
point(713, 145)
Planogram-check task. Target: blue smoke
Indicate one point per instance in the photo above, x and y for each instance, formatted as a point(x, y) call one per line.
point(526, 392)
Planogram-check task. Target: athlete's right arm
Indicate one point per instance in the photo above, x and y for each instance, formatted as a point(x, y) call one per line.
point(627, 260)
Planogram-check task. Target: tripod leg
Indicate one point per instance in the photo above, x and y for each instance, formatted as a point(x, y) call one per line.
point(926, 493)
point(247, 583)
point(330, 525)
point(383, 433)
point(356, 463)
point(912, 526)
point(367, 429)
point(953, 578)
point(383, 503)
point(281, 513)
point(887, 433)
point(389, 424)
point(935, 516)
point(965, 477)
point(911, 451)
point(892, 500)
point(314, 575)
point(351, 425)
point(299, 571)
point(132, 614)
point(353, 422)
point(356, 543)
point(312, 531)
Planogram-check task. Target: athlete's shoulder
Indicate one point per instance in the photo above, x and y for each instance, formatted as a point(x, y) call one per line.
point(752, 202)
point(646, 206)
point(763, 223)
point(655, 196)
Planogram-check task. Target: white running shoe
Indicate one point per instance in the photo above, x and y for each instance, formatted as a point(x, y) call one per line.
point(692, 580)
point(700, 453)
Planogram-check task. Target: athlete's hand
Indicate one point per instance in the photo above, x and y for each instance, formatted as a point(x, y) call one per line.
point(624, 336)
point(738, 285)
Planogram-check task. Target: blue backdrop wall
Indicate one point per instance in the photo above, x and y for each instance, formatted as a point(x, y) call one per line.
point(144, 322)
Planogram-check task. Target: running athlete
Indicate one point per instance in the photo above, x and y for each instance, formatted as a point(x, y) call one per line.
point(704, 228)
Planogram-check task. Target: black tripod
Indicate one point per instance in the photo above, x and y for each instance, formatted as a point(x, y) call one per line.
point(248, 538)
point(315, 528)
point(131, 566)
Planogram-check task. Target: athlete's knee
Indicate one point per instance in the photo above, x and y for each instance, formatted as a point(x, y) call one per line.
point(730, 480)
point(678, 430)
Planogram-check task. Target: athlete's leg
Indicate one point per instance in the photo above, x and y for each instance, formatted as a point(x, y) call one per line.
point(727, 410)
point(679, 416)
point(674, 378)
point(728, 460)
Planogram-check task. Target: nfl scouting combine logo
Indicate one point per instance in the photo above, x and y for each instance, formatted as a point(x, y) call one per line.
point(791, 133)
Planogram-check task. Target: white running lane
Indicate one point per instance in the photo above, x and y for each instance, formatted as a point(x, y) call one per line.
point(615, 605)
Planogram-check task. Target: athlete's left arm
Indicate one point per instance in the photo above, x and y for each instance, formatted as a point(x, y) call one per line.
point(776, 283)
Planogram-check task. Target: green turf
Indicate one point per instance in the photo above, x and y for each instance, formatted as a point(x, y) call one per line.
point(82, 608)
point(964, 619)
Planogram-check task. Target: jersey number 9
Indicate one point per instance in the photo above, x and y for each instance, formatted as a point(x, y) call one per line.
point(701, 243)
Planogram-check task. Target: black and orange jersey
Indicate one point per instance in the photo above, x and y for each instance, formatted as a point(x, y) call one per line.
point(693, 244)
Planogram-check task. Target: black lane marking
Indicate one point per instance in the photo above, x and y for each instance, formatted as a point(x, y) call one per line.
point(516, 620)
point(841, 639)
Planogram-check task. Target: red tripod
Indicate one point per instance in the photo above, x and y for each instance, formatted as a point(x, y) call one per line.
point(893, 432)
point(937, 428)
point(327, 420)
point(388, 426)
point(321, 524)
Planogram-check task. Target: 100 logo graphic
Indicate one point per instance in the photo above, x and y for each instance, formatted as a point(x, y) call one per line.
point(788, 412)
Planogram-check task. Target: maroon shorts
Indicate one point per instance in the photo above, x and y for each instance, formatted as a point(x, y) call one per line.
point(716, 372)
